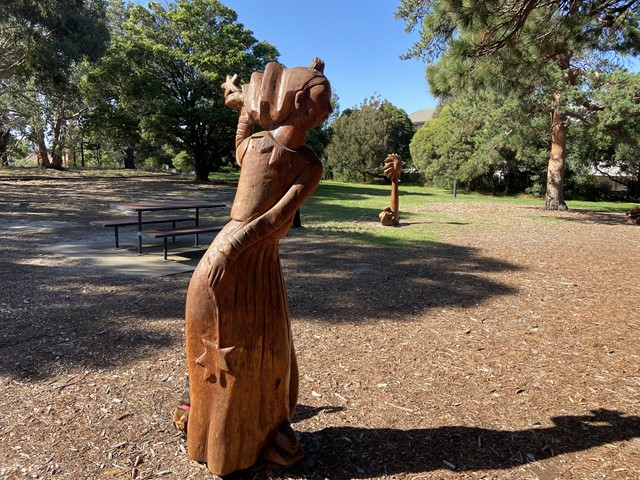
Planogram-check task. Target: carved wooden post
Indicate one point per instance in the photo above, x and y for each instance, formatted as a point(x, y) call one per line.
point(390, 216)
point(243, 374)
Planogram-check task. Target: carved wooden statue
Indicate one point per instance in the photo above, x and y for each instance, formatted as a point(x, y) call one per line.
point(243, 375)
point(390, 216)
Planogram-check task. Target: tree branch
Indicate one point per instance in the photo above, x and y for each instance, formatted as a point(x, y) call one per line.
point(10, 70)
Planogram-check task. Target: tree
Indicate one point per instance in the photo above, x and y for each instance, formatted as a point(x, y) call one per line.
point(364, 136)
point(43, 44)
point(609, 142)
point(539, 49)
point(5, 137)
point(486, 143)
point(44, 39)
point(165, 67)
point(116, 89)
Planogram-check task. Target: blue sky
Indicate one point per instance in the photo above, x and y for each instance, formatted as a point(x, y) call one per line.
point(360, 42)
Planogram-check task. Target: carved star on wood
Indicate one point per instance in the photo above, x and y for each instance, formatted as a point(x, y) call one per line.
point(214, 361)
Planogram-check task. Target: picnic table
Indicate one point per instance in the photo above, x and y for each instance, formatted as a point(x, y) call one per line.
point(166, 205)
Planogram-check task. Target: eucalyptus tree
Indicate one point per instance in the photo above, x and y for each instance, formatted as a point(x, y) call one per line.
point(163, 73)
point(45, 39)
point(541, 50)
point(42, 44)
point(117, 90)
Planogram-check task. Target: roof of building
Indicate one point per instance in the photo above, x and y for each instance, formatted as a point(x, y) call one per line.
point(422, 116)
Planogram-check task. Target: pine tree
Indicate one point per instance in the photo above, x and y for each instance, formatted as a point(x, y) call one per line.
point(538, 49)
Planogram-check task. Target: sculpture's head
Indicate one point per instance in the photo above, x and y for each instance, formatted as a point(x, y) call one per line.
point(280, 94)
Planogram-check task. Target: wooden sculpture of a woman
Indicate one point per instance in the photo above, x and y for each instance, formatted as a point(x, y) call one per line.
point(243, 375)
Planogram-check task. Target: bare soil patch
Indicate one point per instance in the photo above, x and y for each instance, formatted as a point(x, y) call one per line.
point(510, 350)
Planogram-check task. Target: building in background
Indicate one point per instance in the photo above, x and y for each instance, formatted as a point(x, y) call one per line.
point(421, 116)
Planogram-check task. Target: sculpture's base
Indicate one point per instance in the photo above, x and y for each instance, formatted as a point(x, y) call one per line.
point(388, 218)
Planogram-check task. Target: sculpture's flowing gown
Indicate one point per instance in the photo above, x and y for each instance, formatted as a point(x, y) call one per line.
point(233, 414)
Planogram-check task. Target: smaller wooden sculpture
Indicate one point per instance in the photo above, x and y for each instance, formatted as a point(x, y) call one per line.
point(390, 216)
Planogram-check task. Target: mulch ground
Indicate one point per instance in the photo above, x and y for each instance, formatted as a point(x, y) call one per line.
point(510, 350)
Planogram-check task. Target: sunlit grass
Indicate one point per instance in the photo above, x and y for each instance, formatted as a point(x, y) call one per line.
point(224, 176)
point(350, 211)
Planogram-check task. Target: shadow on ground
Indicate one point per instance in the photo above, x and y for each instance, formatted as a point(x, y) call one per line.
point(64, 313)
point(93, 317)
point(329, 280)
point(342, 453)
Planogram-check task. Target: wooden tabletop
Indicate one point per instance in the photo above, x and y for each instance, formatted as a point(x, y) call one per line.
point(165, 205)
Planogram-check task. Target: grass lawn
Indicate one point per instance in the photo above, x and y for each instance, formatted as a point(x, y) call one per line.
point(351, 211)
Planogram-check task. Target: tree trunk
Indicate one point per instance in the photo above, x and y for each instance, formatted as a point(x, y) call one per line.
point(56, 148)
point(57, 160)
point(129, 158)
point(43, 152)
point(554, 198)
point(4, 142)
point(201, 165)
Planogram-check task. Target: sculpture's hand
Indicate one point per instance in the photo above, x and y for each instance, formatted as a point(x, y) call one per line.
point(388, 170)
point(233, 92)
point(392, 167)
point(219, 264)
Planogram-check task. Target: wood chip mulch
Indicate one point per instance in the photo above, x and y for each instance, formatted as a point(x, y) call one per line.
point(509, 350)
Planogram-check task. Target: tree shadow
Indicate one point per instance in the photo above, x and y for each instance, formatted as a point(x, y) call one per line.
point(597, 217)
point(331, 191)
point(341, 453)
point(329, 280)
point(62, 319)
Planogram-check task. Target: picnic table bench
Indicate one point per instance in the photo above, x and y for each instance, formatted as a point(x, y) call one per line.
point(116, 223)
point(177, 232)
point(165, 205)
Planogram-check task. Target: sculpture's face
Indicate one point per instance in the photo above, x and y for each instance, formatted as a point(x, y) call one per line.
point(319, 106)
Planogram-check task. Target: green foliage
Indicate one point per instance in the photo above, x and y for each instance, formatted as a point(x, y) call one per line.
point(536, 53)
point(429, 149)
point(43, 40)
point(483, 142)
point(608, 143)
point(182, 162)
point(364, 136)
point(163, 74)
point(43, 44)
